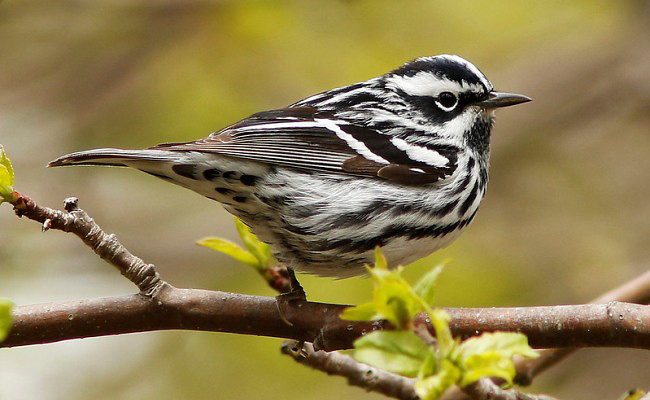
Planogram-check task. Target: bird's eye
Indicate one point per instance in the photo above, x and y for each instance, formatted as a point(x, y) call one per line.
point(447, 101)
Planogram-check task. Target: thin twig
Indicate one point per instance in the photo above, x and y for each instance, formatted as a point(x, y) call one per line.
point(358, 374)
point(75, 220)
point(486, 389)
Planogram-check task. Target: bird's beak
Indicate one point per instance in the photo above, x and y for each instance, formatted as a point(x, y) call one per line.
point(499, 99)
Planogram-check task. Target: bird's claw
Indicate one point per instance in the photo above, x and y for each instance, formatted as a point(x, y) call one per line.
point(295, 295)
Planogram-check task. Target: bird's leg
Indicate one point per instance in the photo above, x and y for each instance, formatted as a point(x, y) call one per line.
point(295, 294)
point(296, 291)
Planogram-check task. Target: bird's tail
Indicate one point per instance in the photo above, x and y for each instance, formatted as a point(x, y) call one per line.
point(115, 157)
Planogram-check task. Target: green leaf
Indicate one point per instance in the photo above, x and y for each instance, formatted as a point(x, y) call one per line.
point(5, 162)
point(633, 394)
point(393, 298)
point(424, 286)
point(491, 355)
point(508, 343)
point(6, 176)
point(260, 250)
point(362, 312)
point(394, 301)
point(5, 317)
point(380, 260)
point(433, 387)
point(440, 321)
point(229, 248)
point(258, 255)
point(399, 311)
point(429, 365)
point(401, 352)
point(485, 365)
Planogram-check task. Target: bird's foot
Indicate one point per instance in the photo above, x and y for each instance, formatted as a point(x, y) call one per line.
point(295, 295)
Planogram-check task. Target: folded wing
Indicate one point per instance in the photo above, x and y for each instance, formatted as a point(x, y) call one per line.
point(304, 138)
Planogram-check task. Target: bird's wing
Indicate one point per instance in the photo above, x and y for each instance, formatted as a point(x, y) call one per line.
point(304, 138)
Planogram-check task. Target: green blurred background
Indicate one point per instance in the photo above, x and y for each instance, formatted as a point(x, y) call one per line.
point(565, 219)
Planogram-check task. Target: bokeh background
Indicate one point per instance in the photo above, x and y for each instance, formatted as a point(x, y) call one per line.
point(566, 217)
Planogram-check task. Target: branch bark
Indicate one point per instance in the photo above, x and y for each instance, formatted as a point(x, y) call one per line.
point(485, 388)
point(357, 374)
point(635, 291)
point(595, 325)
point(106, 246)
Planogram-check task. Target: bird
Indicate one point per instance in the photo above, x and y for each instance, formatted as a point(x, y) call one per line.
point(399, 161)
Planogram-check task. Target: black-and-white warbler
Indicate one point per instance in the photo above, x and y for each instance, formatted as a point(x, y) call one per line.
point(399, 161)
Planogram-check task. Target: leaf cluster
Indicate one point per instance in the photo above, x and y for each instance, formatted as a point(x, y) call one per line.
point(439, 366)
point(255, 253)
point(6, 194)
point(634, 394)
point(6, 177)
point(5, 317)
point(448, 362)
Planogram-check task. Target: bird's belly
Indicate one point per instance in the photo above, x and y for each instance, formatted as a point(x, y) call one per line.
point(403, 252)
point(329, 224)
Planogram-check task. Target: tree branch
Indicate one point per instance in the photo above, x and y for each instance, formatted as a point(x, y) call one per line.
point(594, 325)
point(485, 388)
point(358, 374)
point(75, 220)
point(161, 306)
point(635, 291)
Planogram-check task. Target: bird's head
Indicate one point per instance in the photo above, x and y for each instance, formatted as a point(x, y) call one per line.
point(452, 95)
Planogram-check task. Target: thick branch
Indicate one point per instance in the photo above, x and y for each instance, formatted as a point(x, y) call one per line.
point(559, 326)
point(594, 325)
point(173, 308)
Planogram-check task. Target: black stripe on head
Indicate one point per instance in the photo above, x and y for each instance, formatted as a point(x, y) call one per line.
point(442, 67)
point(427, 105)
